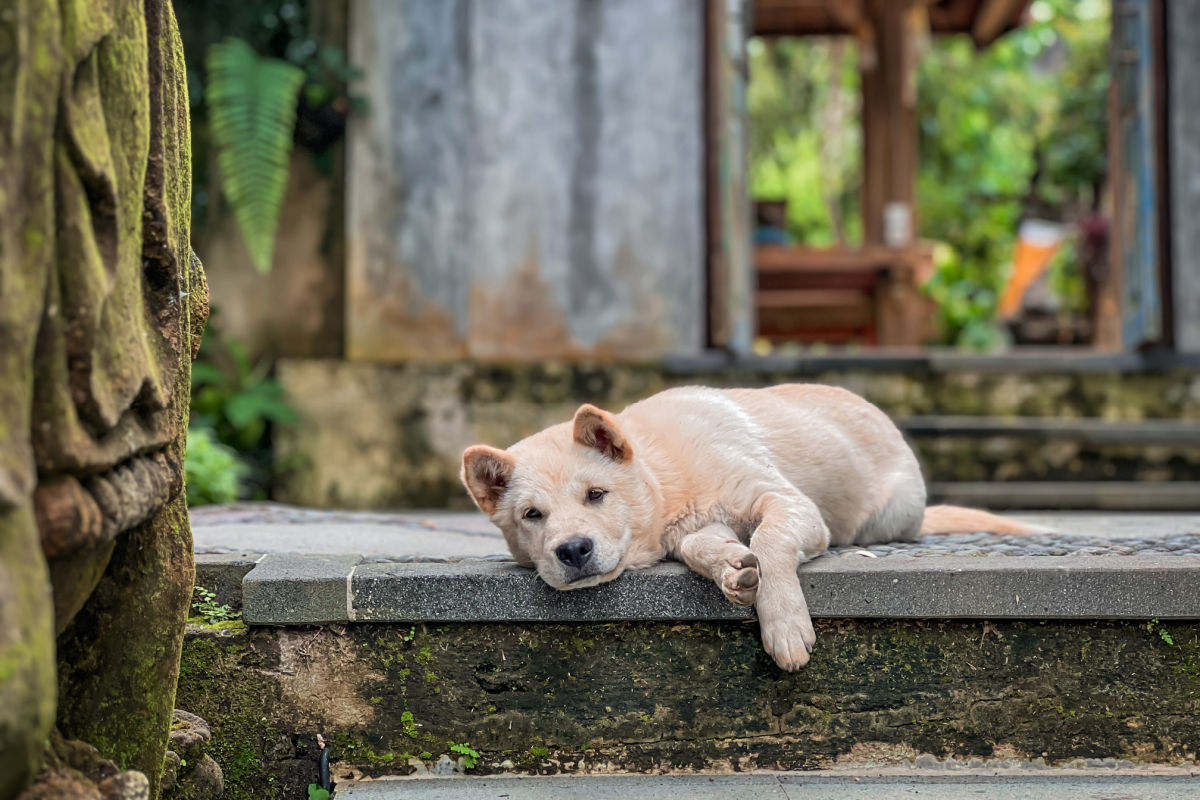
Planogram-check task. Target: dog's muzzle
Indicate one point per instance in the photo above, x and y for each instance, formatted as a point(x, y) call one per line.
point(578, 556)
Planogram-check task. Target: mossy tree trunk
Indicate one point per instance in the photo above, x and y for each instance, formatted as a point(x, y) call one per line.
point(101, 307)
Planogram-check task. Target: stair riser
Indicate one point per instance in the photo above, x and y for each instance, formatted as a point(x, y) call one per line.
point(651, 696)
point(960, 458)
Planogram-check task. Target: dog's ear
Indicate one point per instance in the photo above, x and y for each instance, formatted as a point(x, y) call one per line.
point(486, 472)
point(597, 429)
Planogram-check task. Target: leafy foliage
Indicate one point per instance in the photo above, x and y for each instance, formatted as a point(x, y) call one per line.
point(212, 471)
point(315, 792)
point(235, 402)
point(252, 112)
point(1015, 130)
point(207, 607)
point(804, 138)
point(282, 29)
point(470, 755)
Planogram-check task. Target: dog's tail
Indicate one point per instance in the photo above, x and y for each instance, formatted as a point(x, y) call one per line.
point(956, 519)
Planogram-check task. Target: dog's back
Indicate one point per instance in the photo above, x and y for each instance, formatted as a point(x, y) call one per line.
point(837, 448)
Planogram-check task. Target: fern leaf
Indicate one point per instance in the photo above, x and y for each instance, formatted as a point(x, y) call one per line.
point(252, 113)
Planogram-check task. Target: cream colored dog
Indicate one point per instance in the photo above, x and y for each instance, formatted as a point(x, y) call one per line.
point(742, 485)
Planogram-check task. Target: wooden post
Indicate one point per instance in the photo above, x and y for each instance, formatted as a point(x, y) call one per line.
point(889, 118)
point(730, 267)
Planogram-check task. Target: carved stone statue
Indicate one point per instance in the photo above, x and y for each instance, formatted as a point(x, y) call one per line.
point(102, 303)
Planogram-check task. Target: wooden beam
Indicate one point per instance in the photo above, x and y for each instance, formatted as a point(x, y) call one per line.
point(816, 298)
point(994, 17)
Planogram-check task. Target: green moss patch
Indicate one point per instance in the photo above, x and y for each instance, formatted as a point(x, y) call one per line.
point(656, 695)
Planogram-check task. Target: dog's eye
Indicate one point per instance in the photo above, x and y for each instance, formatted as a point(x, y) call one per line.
point(596, 495)
point(533, 513)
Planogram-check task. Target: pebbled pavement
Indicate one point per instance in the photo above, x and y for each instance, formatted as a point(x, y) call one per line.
point(453, 535)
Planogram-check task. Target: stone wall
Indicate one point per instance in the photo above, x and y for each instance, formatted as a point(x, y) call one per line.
point(528, 183)
point(391, 436)
point(654, 696)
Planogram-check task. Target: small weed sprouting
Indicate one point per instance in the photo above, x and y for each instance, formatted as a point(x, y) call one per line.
point(470, 755)
point(205, 605)
point(315, 792)
point(1162, 632)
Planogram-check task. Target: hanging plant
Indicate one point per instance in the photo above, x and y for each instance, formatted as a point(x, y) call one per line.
point(252, 114)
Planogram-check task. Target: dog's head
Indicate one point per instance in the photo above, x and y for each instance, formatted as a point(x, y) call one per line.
point(567, 499)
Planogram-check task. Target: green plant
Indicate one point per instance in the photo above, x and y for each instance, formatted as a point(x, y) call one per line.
point(315, 792)
point(206, 606)
point(1162, 632)
point(212, 471)
point(237, 401)
point(1011, 131)
point(409, 724)
point(252, 114)
point(470, 755)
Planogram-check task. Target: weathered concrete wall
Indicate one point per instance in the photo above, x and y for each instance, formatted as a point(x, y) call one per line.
point(296, 308)
point(1183, 159)
point(528, 183)
point(652, 696)
point(375, 436)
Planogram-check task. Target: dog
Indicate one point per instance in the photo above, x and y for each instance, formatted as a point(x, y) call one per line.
point(742, 485)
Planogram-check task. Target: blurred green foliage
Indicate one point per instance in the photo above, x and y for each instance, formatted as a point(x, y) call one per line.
point(804, 138)
point(1015, 130)
point(212, 471)
point(252, 113)
point(234, 403)
point(274, 29)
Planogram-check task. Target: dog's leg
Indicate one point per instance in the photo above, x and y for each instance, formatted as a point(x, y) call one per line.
point(791, 532)
point(715, 551)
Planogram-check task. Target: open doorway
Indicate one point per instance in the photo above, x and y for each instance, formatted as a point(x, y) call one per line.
point(928, 173)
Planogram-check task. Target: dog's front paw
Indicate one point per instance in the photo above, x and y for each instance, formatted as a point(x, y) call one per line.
point(788, 635)
point(740, 581)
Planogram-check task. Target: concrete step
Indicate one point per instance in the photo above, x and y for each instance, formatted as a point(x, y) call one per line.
point(1006, 449)
point(1053, 646)
point(1090, 431)
point(1111, 495)
point(1004, 784)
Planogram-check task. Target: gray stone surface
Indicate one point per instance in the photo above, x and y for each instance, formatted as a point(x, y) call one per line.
point(984, 784)
point(528, 181)
point(1028, 587)
point(1183, 156)
point(499, 591)
point(453, 566)
point(1179, 495)
point(288, 590)
point(446, 535)
point(298, 590)
point(222, 575)
point(1090, 431)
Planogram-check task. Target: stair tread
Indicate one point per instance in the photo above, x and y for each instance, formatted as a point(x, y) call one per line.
point(1091, 429)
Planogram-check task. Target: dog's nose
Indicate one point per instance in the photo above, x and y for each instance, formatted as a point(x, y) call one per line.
point(575, 552)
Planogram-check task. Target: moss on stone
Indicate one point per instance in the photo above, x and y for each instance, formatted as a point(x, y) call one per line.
point(703, 695)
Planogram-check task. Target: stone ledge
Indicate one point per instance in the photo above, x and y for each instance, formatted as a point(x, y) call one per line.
point(303, 590)
point(668, 696)
point(298, 590)
point(223, 575)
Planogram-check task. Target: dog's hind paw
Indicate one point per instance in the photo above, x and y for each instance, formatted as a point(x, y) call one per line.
point(740, 581)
